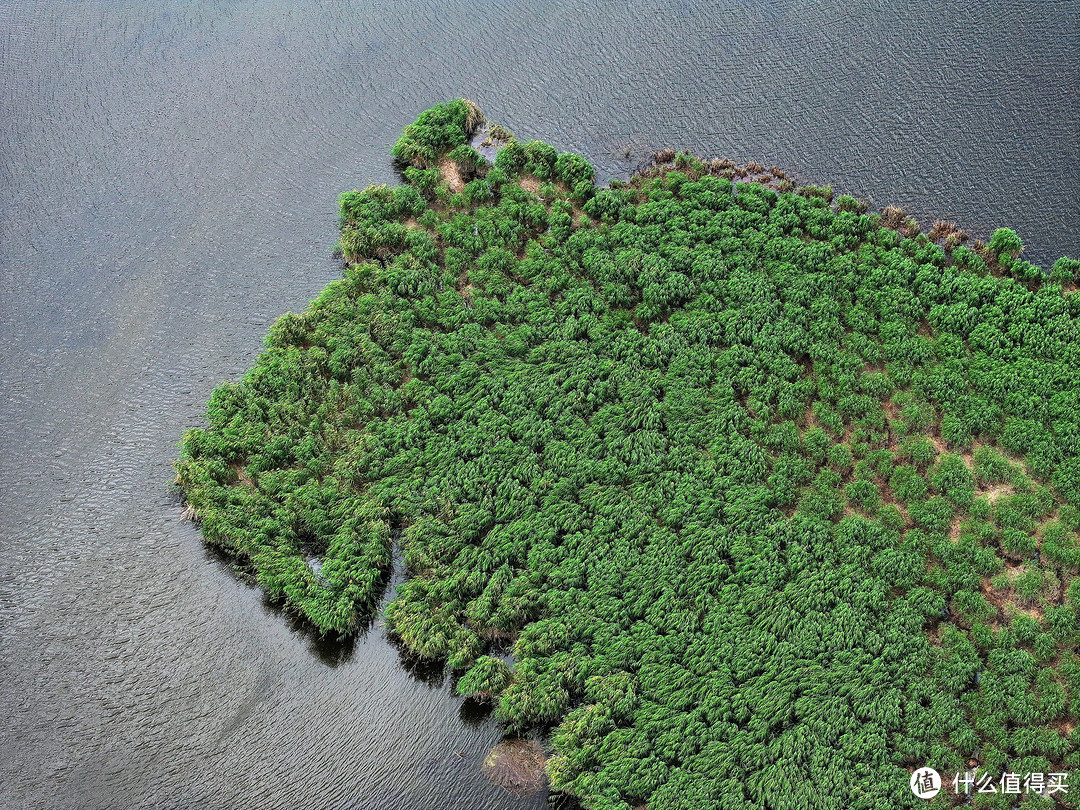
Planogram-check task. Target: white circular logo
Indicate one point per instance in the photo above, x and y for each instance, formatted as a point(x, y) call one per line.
point(925, 783)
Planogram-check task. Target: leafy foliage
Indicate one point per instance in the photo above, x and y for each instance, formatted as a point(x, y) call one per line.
point(772, 502)
point(436, 132)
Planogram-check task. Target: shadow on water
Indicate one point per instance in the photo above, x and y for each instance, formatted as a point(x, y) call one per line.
point(475, 713)
point(560, 801)
point(429, 672)
point(333, 651)
point(330, 649)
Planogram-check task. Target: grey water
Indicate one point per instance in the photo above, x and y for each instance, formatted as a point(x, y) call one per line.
point(168, 180)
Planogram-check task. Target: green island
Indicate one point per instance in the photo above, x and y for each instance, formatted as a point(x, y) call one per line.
point(744, 496)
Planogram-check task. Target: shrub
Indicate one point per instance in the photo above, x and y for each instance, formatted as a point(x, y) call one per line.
point(848, 203)
point(864, 495)
point(1065, 269)
point(573, 169)
point(919, 450)
point(541, 159)
point(467, 158)
point(1005, 242)
point(437, 131)
point(907, 484)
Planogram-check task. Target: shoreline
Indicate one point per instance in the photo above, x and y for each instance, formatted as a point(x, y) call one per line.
point(608, 420)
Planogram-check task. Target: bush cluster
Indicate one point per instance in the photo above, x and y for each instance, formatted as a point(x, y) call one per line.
point(773, 503)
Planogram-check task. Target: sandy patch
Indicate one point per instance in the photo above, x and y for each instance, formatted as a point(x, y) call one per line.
point(1066, 727)
point(954, 530)
point(996, 491)
point(450, 173)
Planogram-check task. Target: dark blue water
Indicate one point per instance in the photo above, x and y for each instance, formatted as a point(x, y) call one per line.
point(168, 178)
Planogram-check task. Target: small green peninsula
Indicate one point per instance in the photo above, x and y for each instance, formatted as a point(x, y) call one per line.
point(773, 499)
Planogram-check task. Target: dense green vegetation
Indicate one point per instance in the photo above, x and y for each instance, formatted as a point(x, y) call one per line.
point(774, 503)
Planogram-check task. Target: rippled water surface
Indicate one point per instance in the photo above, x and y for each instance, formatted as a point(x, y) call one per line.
point(168, 178)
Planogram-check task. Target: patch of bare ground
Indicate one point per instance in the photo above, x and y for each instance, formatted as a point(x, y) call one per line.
point(1006, 600)
point(530, 182)
point(849, 429)
point(999, 598)
point(516, 766)
point(969, 457)
point(992, 493)
point(894, 442)
point(1066, 727)
point(242, 476)
point(954, 530)
point(892, 415)
point(450, 173)
point(1035, 613)
point(742, 397)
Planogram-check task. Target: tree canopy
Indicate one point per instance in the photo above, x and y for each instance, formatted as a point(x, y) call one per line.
point(771, 500)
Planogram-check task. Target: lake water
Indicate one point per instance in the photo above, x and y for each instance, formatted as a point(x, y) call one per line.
point(168, 180)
